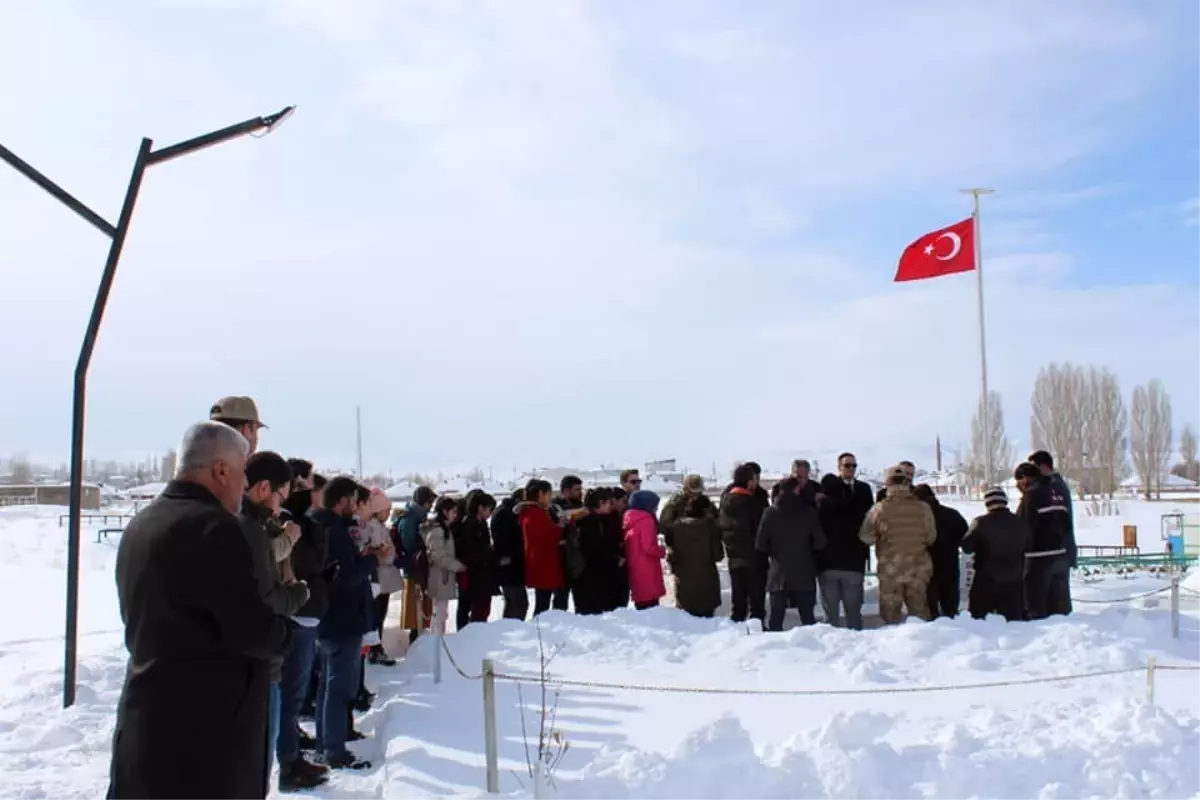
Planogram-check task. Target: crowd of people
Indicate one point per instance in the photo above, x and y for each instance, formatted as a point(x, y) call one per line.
point(254, 590)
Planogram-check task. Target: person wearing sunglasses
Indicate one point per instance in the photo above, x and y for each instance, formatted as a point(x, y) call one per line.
point(842, 564)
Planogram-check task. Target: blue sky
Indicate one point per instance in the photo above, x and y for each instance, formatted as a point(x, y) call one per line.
point(577, 232)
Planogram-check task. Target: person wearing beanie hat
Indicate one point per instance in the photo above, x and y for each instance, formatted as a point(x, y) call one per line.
point(999, 540)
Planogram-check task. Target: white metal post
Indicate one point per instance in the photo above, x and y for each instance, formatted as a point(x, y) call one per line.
point(983, 370)
point(1175, 605)
point(1150, 681)
point(490, 748)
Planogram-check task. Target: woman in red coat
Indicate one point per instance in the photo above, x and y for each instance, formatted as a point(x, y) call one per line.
point(543, 548)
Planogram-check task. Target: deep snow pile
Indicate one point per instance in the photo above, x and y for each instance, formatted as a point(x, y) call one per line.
point(1092, 737)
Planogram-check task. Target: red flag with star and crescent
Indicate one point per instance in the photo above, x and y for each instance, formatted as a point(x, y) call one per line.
point(946, 251)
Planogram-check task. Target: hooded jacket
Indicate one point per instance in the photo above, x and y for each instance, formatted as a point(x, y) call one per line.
point(741, 511)
point(790, 534)
point(508, 544)
point(643, 553)
point(693, 550)
point(444, 566)
point(902, 528)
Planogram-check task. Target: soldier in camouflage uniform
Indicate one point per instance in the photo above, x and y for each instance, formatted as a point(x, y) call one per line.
point(901, 527)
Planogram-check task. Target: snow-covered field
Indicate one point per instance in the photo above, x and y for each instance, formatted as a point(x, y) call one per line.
point(851, 726)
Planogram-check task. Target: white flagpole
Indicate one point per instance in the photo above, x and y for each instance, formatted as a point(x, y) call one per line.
point(983, 371)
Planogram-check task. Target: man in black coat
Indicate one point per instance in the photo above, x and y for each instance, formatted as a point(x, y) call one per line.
point(1048, 572)
point(843, 562)
point(740, 513)
point(943, 588)
point(192, 718)
point(509, 547)
point(1000, 541)
point(790, 535)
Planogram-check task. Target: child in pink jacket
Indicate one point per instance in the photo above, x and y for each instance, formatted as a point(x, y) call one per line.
point(643, 553)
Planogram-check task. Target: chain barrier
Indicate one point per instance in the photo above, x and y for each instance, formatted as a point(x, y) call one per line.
point(1177, 667)
point(705, 690)
point(517, 677)
point(1122, 599)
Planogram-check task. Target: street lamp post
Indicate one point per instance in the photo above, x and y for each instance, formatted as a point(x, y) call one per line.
point(147, 156)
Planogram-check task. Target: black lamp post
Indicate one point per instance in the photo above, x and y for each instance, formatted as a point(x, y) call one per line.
point(146, 157)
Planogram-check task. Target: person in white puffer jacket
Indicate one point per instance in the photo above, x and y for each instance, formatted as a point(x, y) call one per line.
point(444, 566)
point(388, 578)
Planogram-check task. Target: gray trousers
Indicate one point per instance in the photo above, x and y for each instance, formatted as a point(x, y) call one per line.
point(840, 588)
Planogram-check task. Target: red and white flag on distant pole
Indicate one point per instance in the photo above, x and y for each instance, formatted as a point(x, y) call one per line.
point(946, 251)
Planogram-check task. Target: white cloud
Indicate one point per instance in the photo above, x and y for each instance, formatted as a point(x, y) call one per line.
point(565, 231)
point(1190, 211)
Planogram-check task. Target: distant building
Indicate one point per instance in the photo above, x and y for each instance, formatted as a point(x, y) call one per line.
point(55, 495)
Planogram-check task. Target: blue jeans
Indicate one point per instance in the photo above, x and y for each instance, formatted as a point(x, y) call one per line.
point(272, 726)
point(297, 672)
point(340, 663)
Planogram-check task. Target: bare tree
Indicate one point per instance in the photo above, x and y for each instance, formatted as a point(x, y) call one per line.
point(982, 442)
point(1189, 468)
point(474, 475)
point(21, 470)
point(1105, 421)
point(1150, 434)
point(1057, 412)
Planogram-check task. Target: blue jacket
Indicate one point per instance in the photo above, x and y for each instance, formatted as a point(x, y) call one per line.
point(410, 533)
point(350, 601)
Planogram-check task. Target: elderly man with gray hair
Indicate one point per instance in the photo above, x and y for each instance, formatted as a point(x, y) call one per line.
point(192, 718)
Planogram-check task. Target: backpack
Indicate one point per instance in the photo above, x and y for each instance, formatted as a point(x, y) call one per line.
point(415, 565)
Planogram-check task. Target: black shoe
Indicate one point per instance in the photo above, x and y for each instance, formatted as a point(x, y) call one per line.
point(363, 701)
point(346, 760)
point(307, 743)
point(379, 656)
point(413, 635)
point(308, 711)
point(299, 775)
point(355, 736)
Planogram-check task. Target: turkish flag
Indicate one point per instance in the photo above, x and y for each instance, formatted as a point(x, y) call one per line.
point(941, 252)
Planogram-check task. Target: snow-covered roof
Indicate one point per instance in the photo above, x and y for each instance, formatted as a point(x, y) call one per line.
point(659, 486)
point(1169, 480)
point(404, 490)
point(460, 486)
point(145, 490)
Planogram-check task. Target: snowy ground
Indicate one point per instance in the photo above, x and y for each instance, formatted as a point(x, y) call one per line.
point(1090, 737)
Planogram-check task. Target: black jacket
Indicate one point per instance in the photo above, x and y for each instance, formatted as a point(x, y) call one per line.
point(473, 547)
point(350, 602)
point(999, 539)
point(599, 572)
point(951, 528)
point(1059, 483)
point(509, 545)
point(309, 554)
point(790, 533)
point(199, 638)
point(1045, 510)
point(842, 513)
point(740, 513)
point(693, 550)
